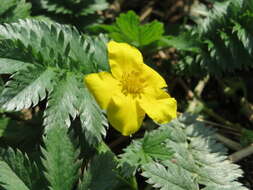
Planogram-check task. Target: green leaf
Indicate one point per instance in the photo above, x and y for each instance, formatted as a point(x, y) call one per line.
point(9, 180)
point(244, 36)
point(198, 160)
point(49, 44)
point(92, 118)
point(60, 159)
point(151, 148)
point(247, 137)
point(98, 49)
point(183, 42)
point(52, 44)
point(12, 10)
point(169, 176)
point(215, 17)
point(27, 88)
point(57, 57)
point(224, 39)
point(9, 66)
point(127, 28)
point(3, 124)
point(75, 8)
point(71, 98)
point(62, 102)
point(92, 6)
point(18, 172)
point(101, 173)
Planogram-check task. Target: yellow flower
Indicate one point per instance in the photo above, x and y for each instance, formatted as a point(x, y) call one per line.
point(130, 90)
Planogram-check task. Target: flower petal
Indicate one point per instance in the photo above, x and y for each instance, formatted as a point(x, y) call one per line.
point(152, 78)
point(123, 58)
point(103, 86)
point(125, 115)
point(161, 109)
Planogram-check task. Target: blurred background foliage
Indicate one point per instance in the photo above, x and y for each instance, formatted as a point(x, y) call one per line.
point(203, 48)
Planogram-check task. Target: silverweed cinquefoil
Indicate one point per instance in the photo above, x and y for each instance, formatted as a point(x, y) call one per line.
point(130, 91)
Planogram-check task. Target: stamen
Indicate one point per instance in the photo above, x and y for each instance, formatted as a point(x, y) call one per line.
point(132, 84)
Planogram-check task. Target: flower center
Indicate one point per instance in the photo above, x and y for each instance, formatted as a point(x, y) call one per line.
point(132, 84)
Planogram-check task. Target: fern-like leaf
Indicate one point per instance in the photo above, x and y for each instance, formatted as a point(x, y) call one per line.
point(223, 38)
point(49, 44)
point(61, 104)
point(60, 159)
point(94, 179)
point(92, 119)
point(12, 10)
point(9, 66)
point(6, 174)
point(149, 149)
point(27, 88)
point(198, 160)
point(73, 7)
point(18, 172)
point(50, 60)
point(169, 176)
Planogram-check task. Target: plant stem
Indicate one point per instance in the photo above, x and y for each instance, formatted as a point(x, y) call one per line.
point(218, 125)
point(186, 88)
point(228, 142)
point(201, 85)
point(216, 116)
point(197, 101)
point(237, 156)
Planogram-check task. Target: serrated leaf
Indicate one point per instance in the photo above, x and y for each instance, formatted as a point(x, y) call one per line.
point(6, 5)
point(92, 118)
point(60, 57)
point(224, 40)
point(69, 99)
point(244, 36)
point(127, 28)
point(169, 176)
point(98, 49)
point(149, 149)
point(62, 102)
point(27, 88)
point(9, 66)
point(150, 32)
point(215, 17)
point(18, 172)
point(9, 180)
point(184, 42)
point(60, 159)
point(53, 45)
point(43, 42)
point(154, 146)
point(92, 6)
point(101, 173)
point(76, 8)
point(12, 10)
point(198, 160)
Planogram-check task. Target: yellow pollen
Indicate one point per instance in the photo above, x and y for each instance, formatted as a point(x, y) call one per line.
point(132, 84)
